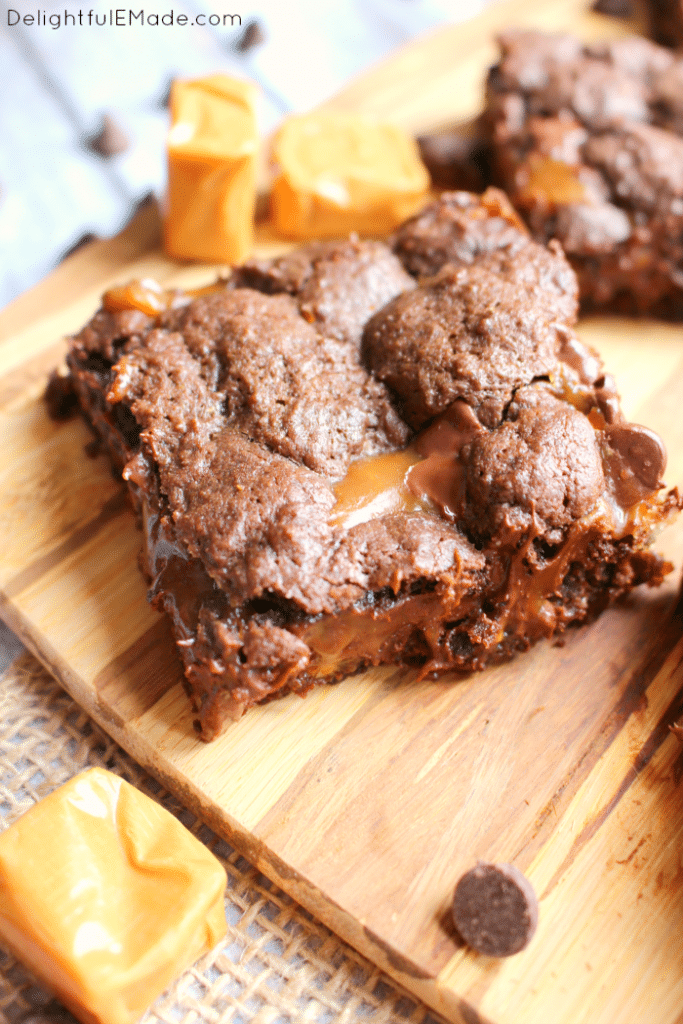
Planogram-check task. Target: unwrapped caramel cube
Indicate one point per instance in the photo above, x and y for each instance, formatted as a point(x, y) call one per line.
point(107, 897)
point(212, 154)
point(342, 172)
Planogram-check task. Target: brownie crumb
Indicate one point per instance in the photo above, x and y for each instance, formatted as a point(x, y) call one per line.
point(495, 909)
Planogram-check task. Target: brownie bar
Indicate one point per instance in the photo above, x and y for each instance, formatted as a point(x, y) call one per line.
point(336, 465)
point(588, 143)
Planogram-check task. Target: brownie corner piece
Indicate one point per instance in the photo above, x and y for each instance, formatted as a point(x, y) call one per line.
point(364, 452)
point(587, 140)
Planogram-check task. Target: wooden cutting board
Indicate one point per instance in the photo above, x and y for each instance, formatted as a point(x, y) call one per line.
point(367, 800)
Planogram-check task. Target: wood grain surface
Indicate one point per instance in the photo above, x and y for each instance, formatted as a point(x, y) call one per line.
point(367, 800)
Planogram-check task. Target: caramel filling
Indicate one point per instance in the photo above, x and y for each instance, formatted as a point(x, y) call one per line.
point(377, 486)
point(424, 477)
point(441, 628)
point(410, 627)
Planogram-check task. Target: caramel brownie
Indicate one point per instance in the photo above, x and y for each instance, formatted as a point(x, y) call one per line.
point(336, 465)
point(588, 143)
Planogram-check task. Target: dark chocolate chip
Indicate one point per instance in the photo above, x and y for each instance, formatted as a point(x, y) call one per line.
point(614, 8)
point(642, 450)
point(149, 199)
point(253, 34)
point(495, 909)
point(110, 140)
point(165, 95)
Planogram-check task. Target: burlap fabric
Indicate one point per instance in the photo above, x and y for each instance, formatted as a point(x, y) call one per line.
point(278, 964)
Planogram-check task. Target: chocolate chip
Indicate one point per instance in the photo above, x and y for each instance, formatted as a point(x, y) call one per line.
point(642, 451)
point(110, 140)
point(252, 35)
point(495, 909)
point(614, 8)
point(165, 95)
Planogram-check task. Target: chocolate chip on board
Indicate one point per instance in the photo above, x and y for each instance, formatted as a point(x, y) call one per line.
point(110, 140)
point(495, 909)
point(252, 35)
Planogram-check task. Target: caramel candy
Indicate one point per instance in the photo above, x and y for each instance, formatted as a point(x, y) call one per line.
point(107, 897)
point(212, 152)
point(340, 173)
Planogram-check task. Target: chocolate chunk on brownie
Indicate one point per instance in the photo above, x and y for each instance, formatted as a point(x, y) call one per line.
point(335, 465)
point(588, 143)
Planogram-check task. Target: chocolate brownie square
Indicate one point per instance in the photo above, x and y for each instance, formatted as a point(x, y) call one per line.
point(587, 141)
point(364, 453)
